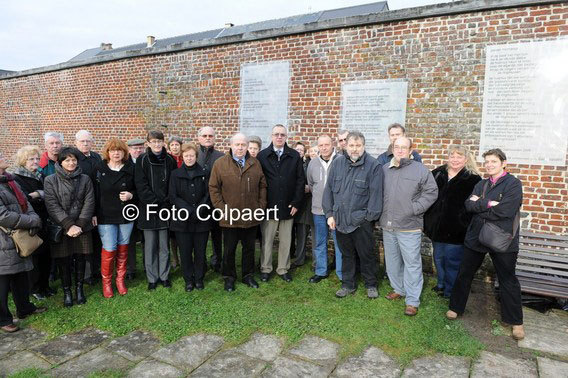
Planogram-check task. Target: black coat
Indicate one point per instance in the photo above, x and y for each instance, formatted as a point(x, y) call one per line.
point(447, 219)
point(89, 163)
point(508, 191)
point(207, 157)
point(285, 179)
point(32, 183)
point(108, 185)
point(189, 188)
point(152, 177)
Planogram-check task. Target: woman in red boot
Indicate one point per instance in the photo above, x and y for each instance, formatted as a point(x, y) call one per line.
point(115, 189)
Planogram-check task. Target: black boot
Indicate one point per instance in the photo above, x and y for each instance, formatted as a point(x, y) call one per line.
point(79, 276)
point(67, 297)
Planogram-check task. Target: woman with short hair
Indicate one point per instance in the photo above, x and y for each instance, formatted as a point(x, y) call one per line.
point(446, 221)
point(30, 179)
point(115, 189)
point(496, 200)
point(70, 202)
point(16, 213)
point(188, 190)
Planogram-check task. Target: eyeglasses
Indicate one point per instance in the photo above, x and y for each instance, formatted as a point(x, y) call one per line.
point(33, 159)
point(156, 141)
point(279, 135)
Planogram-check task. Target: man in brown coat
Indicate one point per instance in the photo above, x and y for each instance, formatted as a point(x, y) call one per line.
point(238, 188)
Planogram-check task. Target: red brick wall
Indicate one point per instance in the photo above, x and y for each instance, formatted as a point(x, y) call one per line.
point(442, 57)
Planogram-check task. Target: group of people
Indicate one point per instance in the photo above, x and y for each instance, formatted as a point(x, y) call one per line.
point(77, 201)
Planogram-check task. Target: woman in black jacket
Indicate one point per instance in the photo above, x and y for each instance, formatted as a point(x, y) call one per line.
point(189, 190)
point(115, 189)
point(497, 200)
point(70, 202)
point(30, 180)
point(446, 221)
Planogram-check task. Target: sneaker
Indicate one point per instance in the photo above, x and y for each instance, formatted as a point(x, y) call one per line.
point(372, 293)
point(343, 292)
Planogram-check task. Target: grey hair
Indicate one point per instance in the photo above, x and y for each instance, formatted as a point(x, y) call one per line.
point(239, 135)
point(255, 139)
point(356, 135)
point(53, 134)
point(175, 138)
point(202, 130)
point(279, 125)
point(83, 132)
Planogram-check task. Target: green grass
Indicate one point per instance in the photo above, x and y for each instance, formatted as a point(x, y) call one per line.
point(288, 310)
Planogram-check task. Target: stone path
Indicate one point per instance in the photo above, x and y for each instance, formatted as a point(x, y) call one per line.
point(139, 354)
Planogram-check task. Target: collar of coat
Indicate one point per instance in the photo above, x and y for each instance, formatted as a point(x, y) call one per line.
point(359, 161)
point(21, 171)
point(44, 160)
point(285, 150)
point(59, 170)
point(157, 159)
point(248, 160)
point(195, 170)
point(403, 162)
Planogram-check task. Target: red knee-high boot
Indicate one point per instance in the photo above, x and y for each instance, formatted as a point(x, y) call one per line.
point(121, 259)
point(107, 268)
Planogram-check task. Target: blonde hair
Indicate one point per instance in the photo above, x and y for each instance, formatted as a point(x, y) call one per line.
point(470, 164)
point(190, 146)
point(25, 153)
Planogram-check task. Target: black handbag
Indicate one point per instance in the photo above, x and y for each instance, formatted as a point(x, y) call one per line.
point(493, 236)
point(54, 231)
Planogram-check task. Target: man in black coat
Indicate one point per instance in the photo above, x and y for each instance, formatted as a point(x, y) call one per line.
point(206, 158)
point(152, 176)
point(284, 171)
point(88, 160)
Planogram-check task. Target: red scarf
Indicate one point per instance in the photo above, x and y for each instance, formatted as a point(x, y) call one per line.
point(20, 196)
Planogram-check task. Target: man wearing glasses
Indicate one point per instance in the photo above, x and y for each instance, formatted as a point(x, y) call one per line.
point(152, 176)
point(206, 158)
point(284, 172)
point(341, 141)
point(409, 190)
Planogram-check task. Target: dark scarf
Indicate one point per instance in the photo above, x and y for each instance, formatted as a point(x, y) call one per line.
point(20, 196)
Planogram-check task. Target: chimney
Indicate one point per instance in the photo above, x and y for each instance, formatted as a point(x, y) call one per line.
point(106, 46)
point(229, 25)
point(150, 40)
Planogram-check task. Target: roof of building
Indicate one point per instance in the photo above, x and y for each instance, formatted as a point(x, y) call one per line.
point(5, 72)
point(358, 10)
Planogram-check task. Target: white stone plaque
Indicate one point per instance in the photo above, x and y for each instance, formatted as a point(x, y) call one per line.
point(264, 98)
point(525, 102)
point(370, 106)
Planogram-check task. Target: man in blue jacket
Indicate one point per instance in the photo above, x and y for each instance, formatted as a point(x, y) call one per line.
point(352, 200)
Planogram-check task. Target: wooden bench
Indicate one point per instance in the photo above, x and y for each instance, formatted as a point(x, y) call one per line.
point(542, 264)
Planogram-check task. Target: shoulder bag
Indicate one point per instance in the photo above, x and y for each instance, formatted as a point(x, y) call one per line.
point(25, 243)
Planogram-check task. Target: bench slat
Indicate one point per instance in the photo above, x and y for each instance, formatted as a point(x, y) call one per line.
point(543, 270)
point(542, 278)
point(531, 234)
point(543, 289)
point(551, 243)
point(524, 247)
point(544, 256)
point(542, 262)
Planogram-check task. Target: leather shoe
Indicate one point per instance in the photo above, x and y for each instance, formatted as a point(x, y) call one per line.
point(189, 286)
point(264, 277)
point(315, 278)
point(10, 328)
point(393, 296)
point(199, 285)
point(229, 285)
point(38, 310)
point(410, 310)
point(286, 276)
point(250, 282)
point(130, 276)
point(167, 283)
point(152, 285)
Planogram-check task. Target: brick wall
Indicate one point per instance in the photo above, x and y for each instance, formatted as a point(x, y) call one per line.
point(442, 57)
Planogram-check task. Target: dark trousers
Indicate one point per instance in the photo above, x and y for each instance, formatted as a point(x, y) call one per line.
point(135, 237)
point(93, 267)
point(192, 246)
point(358, 243)
point(232, 236)
point(298, 247)
point(39, 276)
point(509, 287)
point(75, 263)
point(216, 238)
point(18, 284)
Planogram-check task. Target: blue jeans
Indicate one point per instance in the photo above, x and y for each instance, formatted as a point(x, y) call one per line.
point(320, 247)
point(447, 258)
point(113, 235)
point(404, 264)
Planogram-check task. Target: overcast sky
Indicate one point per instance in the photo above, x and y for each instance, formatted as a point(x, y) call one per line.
point(36, 33)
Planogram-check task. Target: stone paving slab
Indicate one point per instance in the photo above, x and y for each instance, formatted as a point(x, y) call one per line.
point(372, 363)
point(265, 347)
point(189, 352)
point(492, 365)
point(98, 359)
point(316, 349)
point(439, 366)
point(284, 367)
point(548, 368)
point(20, 361)
point(546, 332)
point(230, 363)
point(17, 341)
point(152, 368)
point(66, 347)
point(135, 346)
